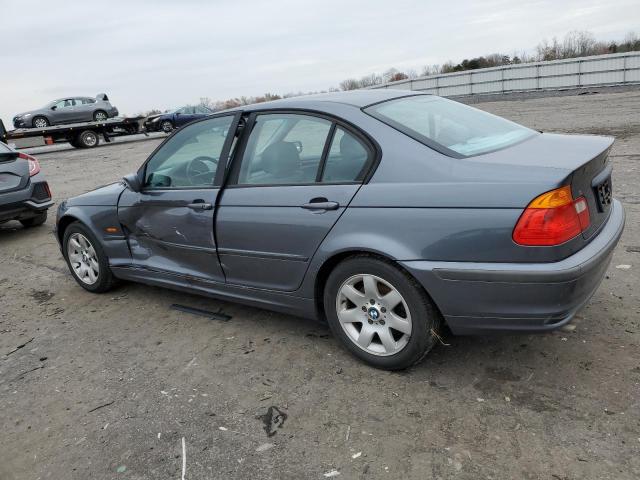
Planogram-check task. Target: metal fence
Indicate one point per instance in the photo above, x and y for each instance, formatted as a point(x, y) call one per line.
point(598, 70)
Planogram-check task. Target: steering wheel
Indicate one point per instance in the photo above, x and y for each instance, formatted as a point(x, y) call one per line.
point(199, 168)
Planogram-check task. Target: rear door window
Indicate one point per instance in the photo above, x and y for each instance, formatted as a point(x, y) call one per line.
point(347, 160)
point(284, 149)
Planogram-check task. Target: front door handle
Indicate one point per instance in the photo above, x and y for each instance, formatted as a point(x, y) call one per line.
point(321, 204)
point(200, 205)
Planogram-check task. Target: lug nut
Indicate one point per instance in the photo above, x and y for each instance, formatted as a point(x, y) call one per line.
point(381, 322)
point(372, 301)
point(383, 310)
point(364, 308)
point(370, 322)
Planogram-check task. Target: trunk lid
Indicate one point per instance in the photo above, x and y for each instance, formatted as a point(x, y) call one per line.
point(581, 161)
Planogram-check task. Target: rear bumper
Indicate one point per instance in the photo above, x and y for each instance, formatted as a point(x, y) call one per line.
point(477, 298)
point(25, 203)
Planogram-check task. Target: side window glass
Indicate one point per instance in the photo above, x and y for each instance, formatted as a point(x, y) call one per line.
point(347, 159)
point(190, 157)
point(284, 149)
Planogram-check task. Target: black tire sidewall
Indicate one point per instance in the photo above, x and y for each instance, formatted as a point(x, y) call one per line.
point(35, 221)
point(105, 277)
point(81, 142)
point(424, 315)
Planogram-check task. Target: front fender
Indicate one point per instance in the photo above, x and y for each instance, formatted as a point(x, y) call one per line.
point(96, 219)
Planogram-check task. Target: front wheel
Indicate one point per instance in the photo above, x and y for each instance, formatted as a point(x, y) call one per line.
point(380, 313)
point(86, 259)
point(40, 122)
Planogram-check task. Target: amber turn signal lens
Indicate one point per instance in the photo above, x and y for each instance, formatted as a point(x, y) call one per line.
point(112, 229)
point(554, 198)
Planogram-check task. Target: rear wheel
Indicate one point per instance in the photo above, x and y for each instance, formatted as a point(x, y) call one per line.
point(40, 122)
point(86, 259)
point(36, 221)
point(380, 313)
point(100, 116)
point(86, 139)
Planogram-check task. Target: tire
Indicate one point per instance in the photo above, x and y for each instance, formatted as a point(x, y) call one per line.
point(42, 122)
point(87, 139)
point(36, 221)
point(99, 282)
point(166, 126)
point(100, 116)
point(409, 308)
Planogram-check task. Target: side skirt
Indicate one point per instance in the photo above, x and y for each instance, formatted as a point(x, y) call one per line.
point(267, 299)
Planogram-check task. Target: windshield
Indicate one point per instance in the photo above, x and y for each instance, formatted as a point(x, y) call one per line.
point(449, 127)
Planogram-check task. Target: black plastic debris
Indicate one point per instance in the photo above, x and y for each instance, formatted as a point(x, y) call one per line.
point(273, 420)
point(219, 315)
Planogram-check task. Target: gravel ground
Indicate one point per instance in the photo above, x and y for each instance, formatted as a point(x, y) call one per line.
point(112, 386)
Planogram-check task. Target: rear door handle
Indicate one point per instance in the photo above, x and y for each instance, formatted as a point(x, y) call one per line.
point(321, 205)
point(200, 205)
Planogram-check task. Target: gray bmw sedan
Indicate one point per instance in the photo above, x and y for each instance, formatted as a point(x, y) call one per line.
point(386, 213)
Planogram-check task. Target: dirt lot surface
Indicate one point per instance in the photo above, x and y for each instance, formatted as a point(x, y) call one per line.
point(108, 386)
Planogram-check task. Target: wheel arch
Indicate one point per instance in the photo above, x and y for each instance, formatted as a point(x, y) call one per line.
point(334, 260)
point(63, 224)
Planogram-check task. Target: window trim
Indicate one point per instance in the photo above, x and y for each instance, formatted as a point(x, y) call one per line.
point(372, 146)
point(223, 162)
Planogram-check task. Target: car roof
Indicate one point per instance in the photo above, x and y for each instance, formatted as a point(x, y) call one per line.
point(356, 98)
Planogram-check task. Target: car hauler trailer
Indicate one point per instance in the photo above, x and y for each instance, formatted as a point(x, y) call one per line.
point(79, 135)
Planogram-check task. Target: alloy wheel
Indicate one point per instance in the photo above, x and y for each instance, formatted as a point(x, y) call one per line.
point(373, 314)
point(83, 258)
point(40, 123)
point(166, 126)
point(100, 117)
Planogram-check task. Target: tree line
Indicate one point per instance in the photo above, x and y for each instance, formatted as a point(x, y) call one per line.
point(574, 44)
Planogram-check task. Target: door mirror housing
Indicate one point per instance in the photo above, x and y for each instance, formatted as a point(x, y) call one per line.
point(54, 107)
point(133, 182)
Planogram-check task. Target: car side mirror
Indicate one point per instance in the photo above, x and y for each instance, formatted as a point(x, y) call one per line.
point(133, 182)
point(54, 107)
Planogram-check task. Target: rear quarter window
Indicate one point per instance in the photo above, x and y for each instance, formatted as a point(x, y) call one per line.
point(449, 127)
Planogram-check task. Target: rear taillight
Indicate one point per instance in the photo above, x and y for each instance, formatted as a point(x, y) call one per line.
point(552, 218)
point(34, 166)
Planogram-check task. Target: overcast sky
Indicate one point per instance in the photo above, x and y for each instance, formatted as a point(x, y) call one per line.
point(165, 53)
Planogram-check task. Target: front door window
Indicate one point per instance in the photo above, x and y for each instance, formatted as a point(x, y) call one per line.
point(189, 158)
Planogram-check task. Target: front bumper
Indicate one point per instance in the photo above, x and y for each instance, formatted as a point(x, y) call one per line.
point(477, 298)
point(21, 123)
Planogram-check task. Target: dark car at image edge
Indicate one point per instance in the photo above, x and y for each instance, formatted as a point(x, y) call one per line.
point(386, 213)
point(24, 193)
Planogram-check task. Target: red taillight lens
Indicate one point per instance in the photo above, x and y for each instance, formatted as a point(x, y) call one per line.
point(552, 218)
point(34, 166)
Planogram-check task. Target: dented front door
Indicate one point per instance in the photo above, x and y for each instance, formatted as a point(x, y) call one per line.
point(169, 223)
